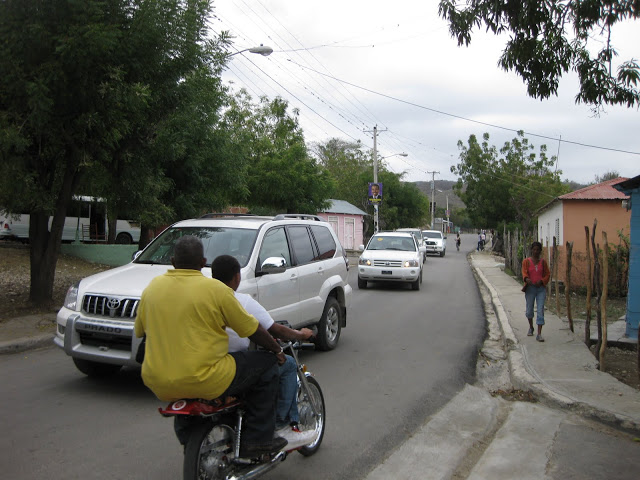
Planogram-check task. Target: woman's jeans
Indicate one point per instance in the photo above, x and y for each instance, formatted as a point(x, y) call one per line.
point(537, 294)
point(287, 409)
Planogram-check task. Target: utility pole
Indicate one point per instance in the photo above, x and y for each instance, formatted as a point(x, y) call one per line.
point(376, 206)
point(433, 190)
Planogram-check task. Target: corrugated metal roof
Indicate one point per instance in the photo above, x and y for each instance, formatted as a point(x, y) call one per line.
point(341, 206)
point(599, 191)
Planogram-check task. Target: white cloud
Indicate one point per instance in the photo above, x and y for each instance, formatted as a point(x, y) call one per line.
point(403, 50)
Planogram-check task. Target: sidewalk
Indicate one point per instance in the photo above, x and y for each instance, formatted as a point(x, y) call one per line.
point(561, 371)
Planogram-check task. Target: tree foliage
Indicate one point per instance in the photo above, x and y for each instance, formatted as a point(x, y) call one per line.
point(108, 94)
point(505, 185)
point(551, 38)
point(351, 168)
point(269, 146)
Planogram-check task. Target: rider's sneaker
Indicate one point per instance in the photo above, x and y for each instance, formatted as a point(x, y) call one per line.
point(295, 437)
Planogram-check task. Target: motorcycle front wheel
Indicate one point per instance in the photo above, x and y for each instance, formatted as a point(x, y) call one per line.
point(309, 420)
point(209, 452)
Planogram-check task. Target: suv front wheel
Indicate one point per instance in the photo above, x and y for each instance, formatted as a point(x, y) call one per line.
point(329, 325)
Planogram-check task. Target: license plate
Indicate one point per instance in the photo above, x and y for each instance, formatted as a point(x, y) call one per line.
point(386, 272)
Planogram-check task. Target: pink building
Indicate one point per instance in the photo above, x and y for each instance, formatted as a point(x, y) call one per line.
point(347, 221)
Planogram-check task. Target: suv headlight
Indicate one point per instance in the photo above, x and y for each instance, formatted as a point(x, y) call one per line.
point(71, 299)
point(364, 261)
point(411, 263)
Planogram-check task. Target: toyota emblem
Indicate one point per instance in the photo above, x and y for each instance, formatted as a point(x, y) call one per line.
point(113, 303)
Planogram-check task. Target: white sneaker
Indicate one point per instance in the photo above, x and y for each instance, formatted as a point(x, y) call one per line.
point(296, 438)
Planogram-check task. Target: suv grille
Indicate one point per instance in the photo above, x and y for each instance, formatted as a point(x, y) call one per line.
point(387, 263)
point(110, 306)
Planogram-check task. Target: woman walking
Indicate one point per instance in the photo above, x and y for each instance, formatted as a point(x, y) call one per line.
point(536, 274)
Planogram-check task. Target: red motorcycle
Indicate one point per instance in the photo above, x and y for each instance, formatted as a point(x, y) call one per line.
point(212, 451)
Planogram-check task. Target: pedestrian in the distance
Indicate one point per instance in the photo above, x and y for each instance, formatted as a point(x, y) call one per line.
point(536, 274)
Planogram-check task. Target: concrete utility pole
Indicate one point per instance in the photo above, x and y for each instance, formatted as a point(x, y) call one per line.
point(433, 190)
point(376, 206)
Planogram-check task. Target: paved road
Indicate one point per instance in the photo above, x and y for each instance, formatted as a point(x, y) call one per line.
point(404, 355)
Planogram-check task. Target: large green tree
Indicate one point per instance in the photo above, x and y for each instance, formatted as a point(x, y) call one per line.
point(91, 88)
point(269, 148)
point(505, 185)
point(351, 168)
point(550, 38)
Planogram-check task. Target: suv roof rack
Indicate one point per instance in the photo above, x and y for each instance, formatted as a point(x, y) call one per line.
point(298, 216)
point(226, 215)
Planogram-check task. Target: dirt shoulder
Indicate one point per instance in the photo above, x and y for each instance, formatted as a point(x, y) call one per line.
point(15, 279)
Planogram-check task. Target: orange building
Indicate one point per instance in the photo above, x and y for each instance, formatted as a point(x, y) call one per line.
point(565, 218)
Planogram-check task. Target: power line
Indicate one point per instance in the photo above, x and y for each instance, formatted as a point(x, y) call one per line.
point(469, 119)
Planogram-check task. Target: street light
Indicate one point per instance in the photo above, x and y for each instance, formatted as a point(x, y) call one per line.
point(375, 180)
point(261, 50)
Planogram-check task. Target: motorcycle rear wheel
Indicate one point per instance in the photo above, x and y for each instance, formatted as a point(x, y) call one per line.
point(209, 452)
point(309, 421)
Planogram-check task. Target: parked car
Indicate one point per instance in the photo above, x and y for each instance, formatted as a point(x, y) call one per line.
point(391, 257)
point(416, 232)
point(435, 241)
point(293, 265)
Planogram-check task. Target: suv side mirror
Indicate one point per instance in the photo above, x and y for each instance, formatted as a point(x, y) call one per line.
point(361, 248)
point(273, 265)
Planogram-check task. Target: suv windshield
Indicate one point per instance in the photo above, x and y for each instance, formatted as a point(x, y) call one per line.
point(432, 234)
point(237, 242)
point(404, 244)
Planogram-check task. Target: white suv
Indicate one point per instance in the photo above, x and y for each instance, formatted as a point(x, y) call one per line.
point(293, 265)
point(435, 241)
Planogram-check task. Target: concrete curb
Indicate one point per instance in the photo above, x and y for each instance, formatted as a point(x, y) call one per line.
point(524, 377)
point(26, 343)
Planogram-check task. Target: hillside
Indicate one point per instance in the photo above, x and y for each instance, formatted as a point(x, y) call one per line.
point(441, 197)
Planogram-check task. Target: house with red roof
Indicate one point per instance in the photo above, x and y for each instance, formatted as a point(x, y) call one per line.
point(566, 216)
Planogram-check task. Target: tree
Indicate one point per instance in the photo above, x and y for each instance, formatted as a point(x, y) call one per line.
point(609, 175)
point(506, 185)
point(281, 174)
point(350, 167)
point(77, 96)
point(541, 50)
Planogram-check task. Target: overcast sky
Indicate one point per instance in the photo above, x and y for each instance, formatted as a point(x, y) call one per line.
point(350, 65)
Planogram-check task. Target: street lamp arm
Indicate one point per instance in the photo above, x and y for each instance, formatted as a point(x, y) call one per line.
point(261, 50)
point(396, 154)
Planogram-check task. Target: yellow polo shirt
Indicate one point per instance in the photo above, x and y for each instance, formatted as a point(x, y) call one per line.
point(184, 315)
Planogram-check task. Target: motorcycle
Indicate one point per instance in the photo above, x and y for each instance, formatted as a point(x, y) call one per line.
point(212, 451)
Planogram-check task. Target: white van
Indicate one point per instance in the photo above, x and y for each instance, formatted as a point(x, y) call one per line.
point(86, 221)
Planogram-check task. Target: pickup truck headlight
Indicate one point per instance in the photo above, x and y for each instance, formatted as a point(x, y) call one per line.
point(411, 263)
point(364, 261)
point(71, 299)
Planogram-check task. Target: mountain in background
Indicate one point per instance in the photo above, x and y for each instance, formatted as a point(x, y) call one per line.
point(446, 187)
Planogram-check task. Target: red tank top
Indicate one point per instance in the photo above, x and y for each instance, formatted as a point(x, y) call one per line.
point(535, 271)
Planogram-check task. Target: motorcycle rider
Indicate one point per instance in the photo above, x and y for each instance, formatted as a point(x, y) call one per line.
point(227, 269)
point(183, 315)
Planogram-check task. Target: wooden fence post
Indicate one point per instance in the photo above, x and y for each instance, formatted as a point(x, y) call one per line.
point(567, 285)
point(596, 278)
point(555, 275)
point(587, 323)
point(603, 301)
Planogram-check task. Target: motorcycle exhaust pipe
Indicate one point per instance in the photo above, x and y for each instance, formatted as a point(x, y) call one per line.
point(261, 469)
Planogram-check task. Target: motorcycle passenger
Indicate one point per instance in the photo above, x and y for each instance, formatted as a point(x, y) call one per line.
point(227, 269)
point(183, 315)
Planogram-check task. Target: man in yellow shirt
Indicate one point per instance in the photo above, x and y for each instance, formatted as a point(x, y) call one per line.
point(184, 316)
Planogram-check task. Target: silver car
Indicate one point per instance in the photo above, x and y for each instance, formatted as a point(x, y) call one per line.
point(391, 257)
